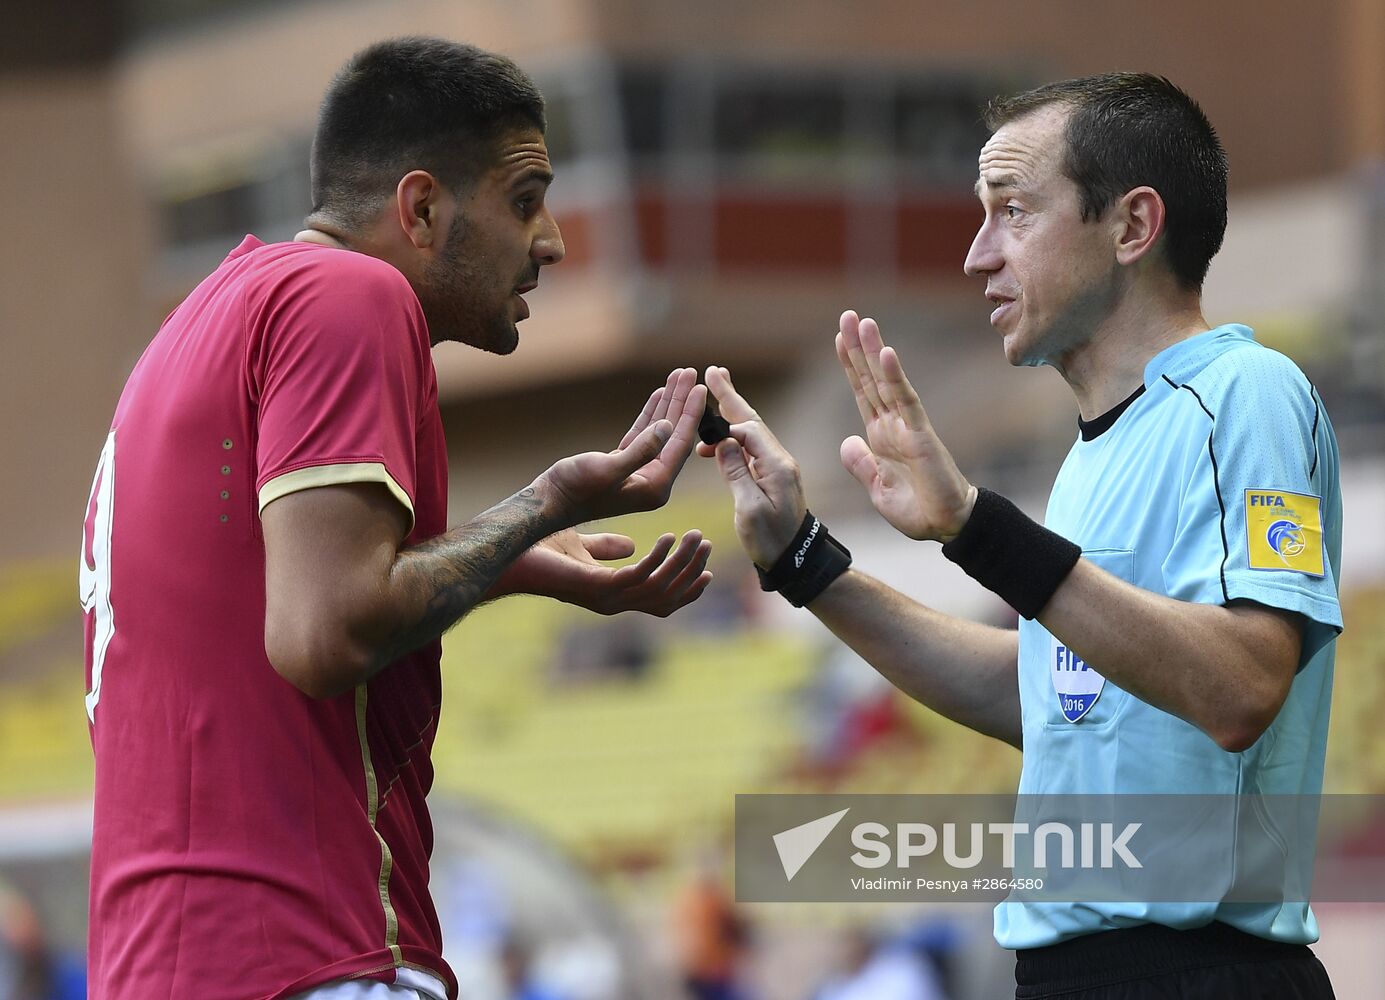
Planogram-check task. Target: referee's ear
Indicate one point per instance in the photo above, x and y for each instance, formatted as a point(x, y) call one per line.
point(419, 199)
point(1137, 222)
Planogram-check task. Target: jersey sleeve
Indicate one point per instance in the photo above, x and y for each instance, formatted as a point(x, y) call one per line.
point(1260, 499)
point(337, 369)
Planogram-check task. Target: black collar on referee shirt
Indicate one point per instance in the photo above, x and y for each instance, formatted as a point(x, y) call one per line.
point(1097, 426)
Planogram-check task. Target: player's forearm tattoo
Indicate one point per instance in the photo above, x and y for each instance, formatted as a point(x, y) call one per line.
point(449, 575)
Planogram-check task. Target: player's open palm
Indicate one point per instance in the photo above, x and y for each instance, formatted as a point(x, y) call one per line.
point(639, 474)
point(571, 567)
point(910, 476)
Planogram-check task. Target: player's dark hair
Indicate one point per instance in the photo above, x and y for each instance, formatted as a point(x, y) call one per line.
point(1128, 130)
point(413, 104)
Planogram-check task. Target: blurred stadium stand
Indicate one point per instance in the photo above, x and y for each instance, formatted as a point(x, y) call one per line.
point(730, 176)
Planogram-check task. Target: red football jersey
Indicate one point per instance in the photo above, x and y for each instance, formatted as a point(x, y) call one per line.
point(251, 841)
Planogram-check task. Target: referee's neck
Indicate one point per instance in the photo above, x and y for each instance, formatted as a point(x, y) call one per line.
point(1111, 365)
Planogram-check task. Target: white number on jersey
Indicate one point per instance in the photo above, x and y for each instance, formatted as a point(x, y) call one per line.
point(94, 580)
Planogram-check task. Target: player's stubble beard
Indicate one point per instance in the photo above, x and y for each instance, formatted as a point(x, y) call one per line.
point(453, 307)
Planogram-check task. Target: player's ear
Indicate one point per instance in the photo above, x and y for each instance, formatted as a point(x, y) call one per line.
point(1138, 222)
point(419, 199)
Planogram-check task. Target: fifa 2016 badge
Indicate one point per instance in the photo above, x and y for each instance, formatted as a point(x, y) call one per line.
point(1284, 531)
point(1077, 685)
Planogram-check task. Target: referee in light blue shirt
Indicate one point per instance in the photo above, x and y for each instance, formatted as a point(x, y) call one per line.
point(1179, 607)
point(1176, 490)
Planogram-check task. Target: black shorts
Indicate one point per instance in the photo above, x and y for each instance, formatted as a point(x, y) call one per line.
point(1216, 962)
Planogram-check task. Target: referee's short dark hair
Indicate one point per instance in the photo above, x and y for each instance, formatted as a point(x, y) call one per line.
point(1128, 130)
point(413, 103)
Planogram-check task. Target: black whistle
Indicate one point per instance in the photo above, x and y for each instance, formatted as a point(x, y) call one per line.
point(713, 426)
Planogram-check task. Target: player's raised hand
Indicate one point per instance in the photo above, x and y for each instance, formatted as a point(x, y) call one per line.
point(910, 476)
point(567, 566)
point(762, 475)
point(639, 474)
point(681, 402)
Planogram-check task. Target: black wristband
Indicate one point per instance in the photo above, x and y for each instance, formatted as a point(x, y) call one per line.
point(812, 561)
point(1006, 552)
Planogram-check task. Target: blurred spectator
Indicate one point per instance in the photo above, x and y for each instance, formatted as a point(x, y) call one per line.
point(603, 651)
point(29, 968)
point(938, 942)
point(850, 708)
point(475, 917)
point(517, 959)
point(881, 971)
point(580, 966)
point(734, 603)
point(713, 938)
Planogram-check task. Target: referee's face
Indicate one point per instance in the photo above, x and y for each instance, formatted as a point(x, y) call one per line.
point(501, 234)
point(1051, 277)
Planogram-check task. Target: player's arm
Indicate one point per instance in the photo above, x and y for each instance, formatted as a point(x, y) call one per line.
point(960, 669)
point(1226, 670)
point(345, 598)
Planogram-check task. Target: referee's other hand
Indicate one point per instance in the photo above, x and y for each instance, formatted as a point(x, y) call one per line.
point(910, 476)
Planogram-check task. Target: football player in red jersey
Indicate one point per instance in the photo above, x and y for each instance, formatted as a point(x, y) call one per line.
point(267, 569)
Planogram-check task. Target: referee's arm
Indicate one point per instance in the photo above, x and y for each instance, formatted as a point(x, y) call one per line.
point(1225, 669)
point(963, 670)
point(960, 669)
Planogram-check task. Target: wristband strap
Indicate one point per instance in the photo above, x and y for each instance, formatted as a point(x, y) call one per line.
point(1009, 554)
point(812, 561)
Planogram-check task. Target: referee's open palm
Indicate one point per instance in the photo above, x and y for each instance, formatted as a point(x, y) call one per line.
point(910, 476)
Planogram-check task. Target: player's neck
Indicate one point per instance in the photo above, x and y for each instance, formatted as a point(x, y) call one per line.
point(320, 237)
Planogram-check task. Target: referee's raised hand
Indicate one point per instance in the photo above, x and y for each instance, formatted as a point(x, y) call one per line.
point(910, 476)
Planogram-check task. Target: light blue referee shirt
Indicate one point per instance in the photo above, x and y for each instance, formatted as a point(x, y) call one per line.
point(1218, 483)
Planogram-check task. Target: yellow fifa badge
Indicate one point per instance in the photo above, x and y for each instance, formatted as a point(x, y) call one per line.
point(1284, 531)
